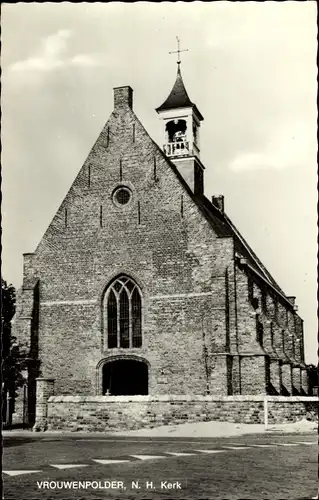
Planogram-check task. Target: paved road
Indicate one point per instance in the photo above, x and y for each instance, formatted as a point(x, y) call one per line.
point(248, 467)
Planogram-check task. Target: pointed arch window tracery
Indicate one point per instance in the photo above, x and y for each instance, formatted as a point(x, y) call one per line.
point(124, 314)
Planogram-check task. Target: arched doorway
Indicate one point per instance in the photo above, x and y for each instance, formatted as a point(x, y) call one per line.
point(125, 377)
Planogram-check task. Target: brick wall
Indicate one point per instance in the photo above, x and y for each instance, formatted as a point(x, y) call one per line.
point(275, 375)
point(261, 308)
point(199, 322)
point(287, 377)
point(160, 239)
point(102, 413)
point(45, 389)
point(253, 375)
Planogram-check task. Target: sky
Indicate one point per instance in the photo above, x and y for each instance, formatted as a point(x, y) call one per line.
point(251, 70)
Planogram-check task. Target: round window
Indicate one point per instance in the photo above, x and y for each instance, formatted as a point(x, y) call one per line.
point(122, 196)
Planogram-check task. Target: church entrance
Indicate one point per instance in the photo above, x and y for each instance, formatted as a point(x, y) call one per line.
point(125, 377)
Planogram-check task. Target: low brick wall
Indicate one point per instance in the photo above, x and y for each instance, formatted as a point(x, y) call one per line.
point(292, 409)
point(103, 413)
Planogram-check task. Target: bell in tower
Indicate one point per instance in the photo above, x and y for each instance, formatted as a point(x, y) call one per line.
point(180, 133)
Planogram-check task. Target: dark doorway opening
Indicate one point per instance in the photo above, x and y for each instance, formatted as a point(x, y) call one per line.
point(125, 377)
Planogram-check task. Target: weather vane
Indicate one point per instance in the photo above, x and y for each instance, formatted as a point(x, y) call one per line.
point(178, 51)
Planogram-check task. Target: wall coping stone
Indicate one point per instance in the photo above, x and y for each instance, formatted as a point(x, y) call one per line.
point(179, 397)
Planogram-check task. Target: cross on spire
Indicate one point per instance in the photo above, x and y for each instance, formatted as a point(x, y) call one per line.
point(178, 51)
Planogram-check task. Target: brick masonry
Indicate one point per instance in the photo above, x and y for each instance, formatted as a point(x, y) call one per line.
point(45, 389)
point(102, 413)
point(203, 306)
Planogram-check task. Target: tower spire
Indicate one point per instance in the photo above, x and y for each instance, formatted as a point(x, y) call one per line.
point(180, 131)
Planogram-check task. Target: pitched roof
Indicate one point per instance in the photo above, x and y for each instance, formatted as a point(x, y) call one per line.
point(224, 227)
point(178, 97)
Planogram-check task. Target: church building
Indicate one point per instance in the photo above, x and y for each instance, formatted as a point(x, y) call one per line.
point(141, 285)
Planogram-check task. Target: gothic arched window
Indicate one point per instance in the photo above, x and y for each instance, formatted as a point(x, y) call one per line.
point(124, 314)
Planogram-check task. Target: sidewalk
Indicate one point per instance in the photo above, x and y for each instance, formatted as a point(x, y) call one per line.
point(221, 429)
point(198, 429)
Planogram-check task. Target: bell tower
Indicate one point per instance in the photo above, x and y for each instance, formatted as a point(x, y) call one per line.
point(181, 120)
